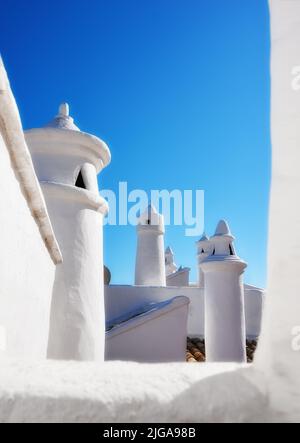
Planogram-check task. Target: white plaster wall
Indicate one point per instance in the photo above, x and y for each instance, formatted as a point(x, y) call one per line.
point(179, 278)
point(196, 312)
point(159, 336)
point(126, 392)
point(26, 271)
point(120, 299)
point(254, 306)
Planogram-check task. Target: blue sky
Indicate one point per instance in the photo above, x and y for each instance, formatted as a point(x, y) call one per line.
point(179, 89)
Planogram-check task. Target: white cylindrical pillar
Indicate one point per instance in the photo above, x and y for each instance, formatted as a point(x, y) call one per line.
point(225, 336)
point(150, 256)
point(61, 153)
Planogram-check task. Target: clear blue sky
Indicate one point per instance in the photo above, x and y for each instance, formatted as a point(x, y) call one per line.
point(179, 89)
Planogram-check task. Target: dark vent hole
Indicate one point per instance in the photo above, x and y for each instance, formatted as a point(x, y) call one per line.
point(79, 182)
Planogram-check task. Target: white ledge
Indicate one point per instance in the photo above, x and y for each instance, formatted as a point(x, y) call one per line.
point(69, 192)
point(121, 392)
point(68, 141)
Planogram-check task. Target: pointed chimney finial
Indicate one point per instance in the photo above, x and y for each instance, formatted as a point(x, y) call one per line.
point(222, 228)
point(64, 110)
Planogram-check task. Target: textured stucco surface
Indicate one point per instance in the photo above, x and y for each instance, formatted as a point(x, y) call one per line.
point(26, 271)
point(158, 335)
point(117, 392)
point(120, 299)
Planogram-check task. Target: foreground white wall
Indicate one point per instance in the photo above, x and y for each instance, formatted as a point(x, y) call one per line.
point(26, 271)
point(29, 248)
point(279, 352)
point(126, 392)
point(254, 299)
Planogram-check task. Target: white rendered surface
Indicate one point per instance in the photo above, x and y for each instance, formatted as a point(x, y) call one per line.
point(179, 278)
point(120, 299)
point(29, 248)
point(122, 392)
point(254, 299)
point(278, 353)
point(26, 272)
point(157, 336)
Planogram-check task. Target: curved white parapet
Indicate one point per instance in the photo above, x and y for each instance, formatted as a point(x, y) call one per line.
point(124, 392)
point(278, 354)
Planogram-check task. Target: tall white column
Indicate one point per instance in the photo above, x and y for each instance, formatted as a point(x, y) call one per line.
point(60, 153)
point(225, 337)
point(150, 256)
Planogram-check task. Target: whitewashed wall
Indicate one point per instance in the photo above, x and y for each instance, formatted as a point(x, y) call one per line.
point(254, 306)
point(26, 271)
point(120, 299)
point(159, 336)
point(279, 351)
